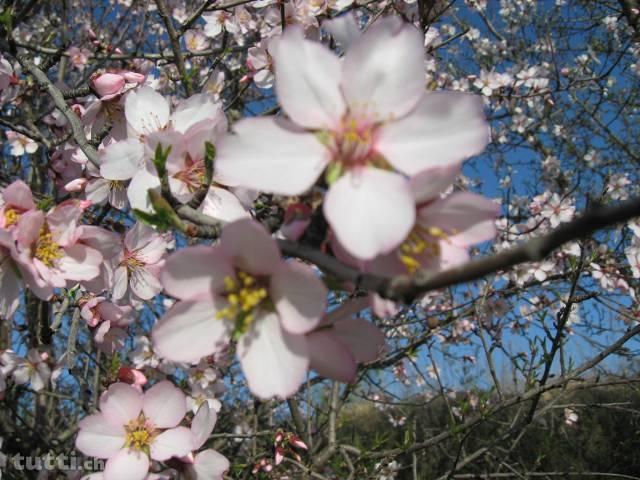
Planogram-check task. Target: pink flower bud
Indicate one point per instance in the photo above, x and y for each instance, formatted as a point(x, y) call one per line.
point(133, 77)
point(76, 185)
point(131, 376)
point(296, 442)
point(108, 85)
point(279, 455)
point(278, 439)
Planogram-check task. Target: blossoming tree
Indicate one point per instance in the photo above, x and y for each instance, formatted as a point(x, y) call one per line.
point(226, 227)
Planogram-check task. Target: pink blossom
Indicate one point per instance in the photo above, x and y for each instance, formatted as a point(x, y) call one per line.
point(138, 266)
point(79, 57)
point(96, 310)
point(195, 40)
point(15, 199)
point(33, 369)
point(197, 120)
point(367, 121)
point(48, 251)
point(444, 229)
point(20, 144)
point(132, 428)
point(242, 289)
point(259, 62)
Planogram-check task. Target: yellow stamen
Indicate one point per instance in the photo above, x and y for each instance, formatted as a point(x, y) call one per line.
point(245, 295)
point(11, 217)
point(47, 251)
point(139, 434)
point(421, 242)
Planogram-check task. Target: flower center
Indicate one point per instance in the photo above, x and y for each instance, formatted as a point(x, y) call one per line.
point(116, 185)
point(11, 217)
point(47, 251)
point(245, 295)
point(139, 434)
point(193, 174)
point(351, 145)
point(132, 263)
point(422, 242)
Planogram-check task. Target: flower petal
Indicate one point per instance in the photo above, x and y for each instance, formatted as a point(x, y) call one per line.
point(80, 263)
point(120, 403)
point(196, 273)
point(251, 247)
point(127, 463)
point(121, 160)
point(383, 70)
point(98, 437)
point(307, 80)
point(330, 358)
point(466, 217)
point(190, 331)
point(138, 190)
point(299, 297)
point(144, 283)
point(371, 211)
point(146, 110)
point(164, 404)
point(262, 149)
point(274, 361)
point(428, 184)
point(202, 425)
point(175, 442)
point(209, 465)
point(444, 129)
point(363, 338)
point(223, 205)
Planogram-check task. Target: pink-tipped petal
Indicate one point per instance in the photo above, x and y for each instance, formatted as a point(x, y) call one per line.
point(444, 129)
point(299, 297)
point(274, 361)
point(371, 211)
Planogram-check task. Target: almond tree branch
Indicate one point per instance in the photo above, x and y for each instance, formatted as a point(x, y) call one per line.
point(406, 289)
point(59, 101)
